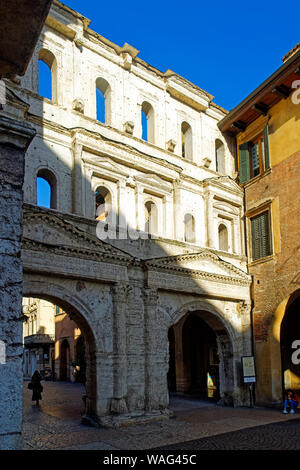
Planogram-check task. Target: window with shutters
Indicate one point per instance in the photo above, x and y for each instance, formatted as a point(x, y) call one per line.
point(261, 235)
point(254, 157)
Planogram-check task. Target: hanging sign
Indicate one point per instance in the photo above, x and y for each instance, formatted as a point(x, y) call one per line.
point(248, 367)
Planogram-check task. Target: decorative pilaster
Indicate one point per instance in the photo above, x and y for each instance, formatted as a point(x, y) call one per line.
point(140, 211)
point(168, 217)
point(211, 233)
point(122, 209)
point(77, 179)
point(150, 319)
point(118, 403)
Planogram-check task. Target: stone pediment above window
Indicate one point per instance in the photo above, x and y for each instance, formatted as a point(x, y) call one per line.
point(104, 163)
point(204, 264)
point(225, 182)
point(50, 232)
point(152, 180)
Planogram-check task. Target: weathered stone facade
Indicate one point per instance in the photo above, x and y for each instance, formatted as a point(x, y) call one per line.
point(14, 140)
point(126, 293)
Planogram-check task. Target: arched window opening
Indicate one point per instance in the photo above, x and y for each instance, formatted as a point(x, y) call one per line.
point(47, 75)
point(46, 189)
point(220, 156)
point(223, 237)
point(147, 122)
point(103, 100)
point(150, 217)
point(189, 228)
point(103, 204)
point(186, 141)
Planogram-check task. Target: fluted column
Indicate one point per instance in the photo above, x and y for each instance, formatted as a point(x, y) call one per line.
point(150, 319)
point(211, 235)
point(77, 179)
point(118, 404)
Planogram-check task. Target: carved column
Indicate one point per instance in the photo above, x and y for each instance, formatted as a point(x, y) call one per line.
point(118, 404)
point(140, 211)
point(122, 209)
point(178, 216)
point(77, 179)
point(169, 217)
point(14, 139)
point(151, 324)
point(211, 233)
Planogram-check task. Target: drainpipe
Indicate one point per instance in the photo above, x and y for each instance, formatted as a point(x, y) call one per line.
point(251, 293)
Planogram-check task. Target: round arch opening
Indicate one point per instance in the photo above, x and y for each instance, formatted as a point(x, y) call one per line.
point(71, 358)
point(201, 358)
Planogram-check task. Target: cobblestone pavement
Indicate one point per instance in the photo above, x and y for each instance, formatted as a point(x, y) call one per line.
point(196, 425)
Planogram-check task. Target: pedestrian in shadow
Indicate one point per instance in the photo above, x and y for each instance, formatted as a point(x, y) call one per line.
point(290, 400)
point(37, 387)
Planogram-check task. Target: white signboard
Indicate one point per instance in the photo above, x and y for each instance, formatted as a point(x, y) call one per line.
point(248, 366)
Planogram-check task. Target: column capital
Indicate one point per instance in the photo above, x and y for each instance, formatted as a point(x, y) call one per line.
point(150, 295)
point(120, 291)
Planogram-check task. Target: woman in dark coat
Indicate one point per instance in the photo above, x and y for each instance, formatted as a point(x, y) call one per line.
point(37, 388)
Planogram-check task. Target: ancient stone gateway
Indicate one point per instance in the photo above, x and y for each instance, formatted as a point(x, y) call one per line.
point(125, 307)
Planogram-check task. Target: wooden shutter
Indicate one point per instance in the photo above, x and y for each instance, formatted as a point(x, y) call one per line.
point(266, 145)
point(244, 162)
point(260, 233)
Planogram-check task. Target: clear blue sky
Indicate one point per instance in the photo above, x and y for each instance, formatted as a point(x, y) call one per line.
point(226, 48)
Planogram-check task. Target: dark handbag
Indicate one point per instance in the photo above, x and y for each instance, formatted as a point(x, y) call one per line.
point(30, 386)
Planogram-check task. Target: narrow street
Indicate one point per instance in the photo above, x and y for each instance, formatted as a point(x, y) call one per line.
point(196, 425)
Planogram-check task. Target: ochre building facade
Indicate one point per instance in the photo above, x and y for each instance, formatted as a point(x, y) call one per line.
point(267, 129)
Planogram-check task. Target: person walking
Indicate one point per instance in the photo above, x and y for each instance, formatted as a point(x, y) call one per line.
point(37, 387)
point(291, 400)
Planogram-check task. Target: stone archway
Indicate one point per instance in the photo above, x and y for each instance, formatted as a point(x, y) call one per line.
point(224, 340)
point(79, 312)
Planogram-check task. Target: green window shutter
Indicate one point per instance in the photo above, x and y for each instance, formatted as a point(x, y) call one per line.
point(260, 233)
point(244, 162)
point(267, 150)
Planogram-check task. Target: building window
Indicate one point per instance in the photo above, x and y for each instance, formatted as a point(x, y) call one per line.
point(223, 237)
point(261, 235)
point(147, 118)
point(46, 189)
point(47, 74)
point(103, 204)
point(150, 217)
point(220, 156)
point(189, 228)
point(186, 141)
point(254, 157)
point(103, 101)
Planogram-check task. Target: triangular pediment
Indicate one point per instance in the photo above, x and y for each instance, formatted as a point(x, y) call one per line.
point(205, 262)
point(104, 163)
point(152, 180)
point(226, 182)
point(48, 229)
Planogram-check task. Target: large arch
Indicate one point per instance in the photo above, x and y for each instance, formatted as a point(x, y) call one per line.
point(225, 338)
point(80, 313)
point(273, 350)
